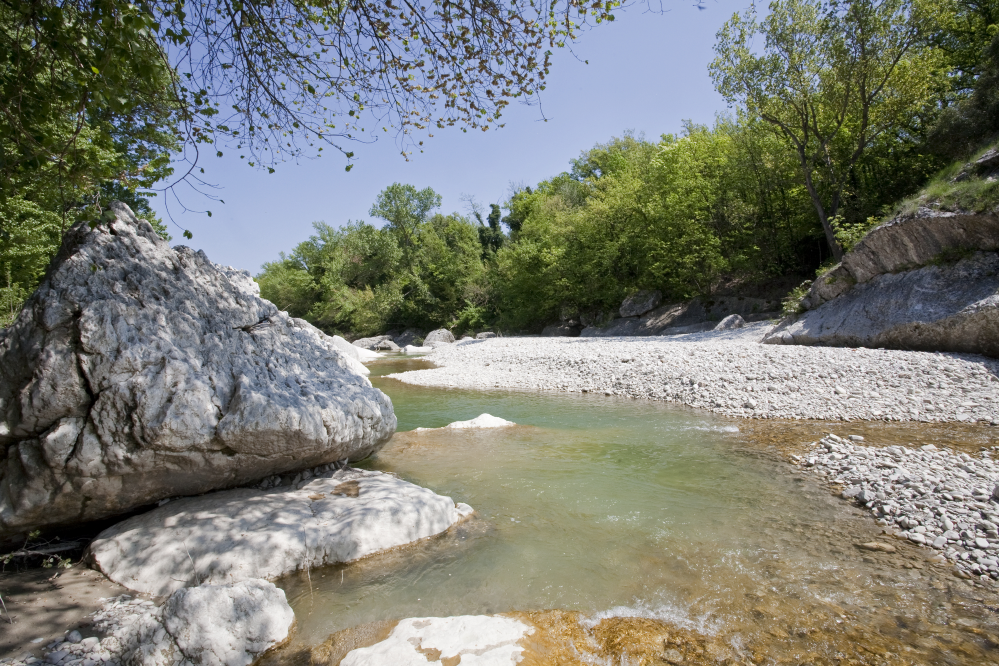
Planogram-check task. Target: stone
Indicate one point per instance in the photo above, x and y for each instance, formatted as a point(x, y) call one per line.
point(877, 546)
point(440, 335)
point(387, 345)
point(730, 322)
point(485, 335)
point(371, 343)
point(411, 349)
point(411, 336)
point(640, 302)
point(481, 421)
point(947, 308)
point(74, 636)
point(138, 372)
point(562, 330)
point(477, 640)
point(235, 535)
point(228, 625)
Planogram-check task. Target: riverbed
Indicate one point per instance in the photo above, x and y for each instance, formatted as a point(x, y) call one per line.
point(612, 507)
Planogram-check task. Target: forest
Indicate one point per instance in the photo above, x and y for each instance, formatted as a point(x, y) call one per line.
point(841, 111)
point(849, 109)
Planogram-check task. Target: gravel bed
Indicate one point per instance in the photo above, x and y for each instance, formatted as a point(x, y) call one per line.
point(935, 498)
point(729, 372)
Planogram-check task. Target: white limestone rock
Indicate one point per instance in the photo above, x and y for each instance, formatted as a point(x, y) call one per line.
point(210, 625)
point(413, 349)
point(228, 625)
point(480, 421)
point(245, 533)
point(472, 640)
point(137, 372)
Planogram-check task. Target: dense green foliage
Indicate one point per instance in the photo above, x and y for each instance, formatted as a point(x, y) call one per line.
point(843, 110)
point(97, 96)
point(418, 270)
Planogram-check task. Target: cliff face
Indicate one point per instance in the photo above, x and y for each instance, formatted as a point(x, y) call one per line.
point(137, 372)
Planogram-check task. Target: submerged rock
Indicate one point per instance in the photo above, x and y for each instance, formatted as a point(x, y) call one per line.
point(137, 372)
point(246, 533)
point(483, 640)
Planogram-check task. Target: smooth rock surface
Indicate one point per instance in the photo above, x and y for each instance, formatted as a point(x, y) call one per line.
point(440, 335)
point(641, 302)
point(387, 345)
point(471, 640)
point(729, 372)
point(934, 308)
point(137, 372)
point(692, 316)
point(245, 533)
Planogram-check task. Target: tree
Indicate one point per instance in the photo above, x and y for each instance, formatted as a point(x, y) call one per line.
point(834, 77)
point(405, 208)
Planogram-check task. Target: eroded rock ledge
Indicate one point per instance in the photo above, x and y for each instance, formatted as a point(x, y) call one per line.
point(137, 372)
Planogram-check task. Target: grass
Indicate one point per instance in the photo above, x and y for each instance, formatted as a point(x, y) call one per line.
point(973, 194)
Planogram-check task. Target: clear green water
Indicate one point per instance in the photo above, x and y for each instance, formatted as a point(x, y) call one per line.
point(615, 506)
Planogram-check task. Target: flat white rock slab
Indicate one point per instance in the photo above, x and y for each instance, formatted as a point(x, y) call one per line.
point(245, 533)
point(478, 640)
point(480, 421)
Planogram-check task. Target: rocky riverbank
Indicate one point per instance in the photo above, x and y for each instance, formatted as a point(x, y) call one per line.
point(935, 498)
point(729, 372)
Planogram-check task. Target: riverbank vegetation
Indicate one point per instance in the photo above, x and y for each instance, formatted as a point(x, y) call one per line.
point(840, 111)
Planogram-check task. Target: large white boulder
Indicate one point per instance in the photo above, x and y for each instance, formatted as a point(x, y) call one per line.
point(471, 640)
point(440, 335)
point(245, 533)
point(137, 372)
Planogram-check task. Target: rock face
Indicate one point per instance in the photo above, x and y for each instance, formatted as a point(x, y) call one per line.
point(479, 640)
point(904, 243)
point(245, 533)
point(211, 625)
point(640, 303)
point(440, 335)
point(137, 372)
point(934, 308)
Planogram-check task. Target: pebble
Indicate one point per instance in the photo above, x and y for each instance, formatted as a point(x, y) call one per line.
point(935, 498)
point(730, 373)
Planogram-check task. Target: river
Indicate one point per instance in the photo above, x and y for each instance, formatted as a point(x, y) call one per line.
point(614, 507)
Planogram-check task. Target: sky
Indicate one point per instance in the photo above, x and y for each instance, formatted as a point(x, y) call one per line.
point(647, 73)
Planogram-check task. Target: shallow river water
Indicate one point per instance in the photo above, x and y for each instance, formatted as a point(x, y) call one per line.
point(689, 523)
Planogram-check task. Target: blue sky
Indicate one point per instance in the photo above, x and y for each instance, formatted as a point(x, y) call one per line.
point(647, 72)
